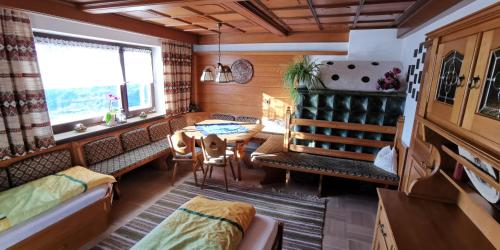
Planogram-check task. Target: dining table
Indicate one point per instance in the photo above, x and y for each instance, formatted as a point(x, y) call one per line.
point(234, 132)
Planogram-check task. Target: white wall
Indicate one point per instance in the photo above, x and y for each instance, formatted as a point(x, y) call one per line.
point(412, 41)
point(54, 25)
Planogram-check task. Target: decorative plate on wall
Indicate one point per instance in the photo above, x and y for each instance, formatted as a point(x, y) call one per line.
point(242, 71)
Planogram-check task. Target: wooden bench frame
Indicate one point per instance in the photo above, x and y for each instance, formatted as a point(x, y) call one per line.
point(288, 145)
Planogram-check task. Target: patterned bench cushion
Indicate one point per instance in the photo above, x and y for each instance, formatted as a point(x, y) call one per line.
point(329, 165)
point(39, 166)
point(159, 131)
point(4, 180)
point(102, 149)
point(249, 119)
point(134, 139)
point(220, 116)
point(129, 158)
point(177, 123)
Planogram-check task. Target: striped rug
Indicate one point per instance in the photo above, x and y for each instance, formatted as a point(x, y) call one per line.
point(303, 217)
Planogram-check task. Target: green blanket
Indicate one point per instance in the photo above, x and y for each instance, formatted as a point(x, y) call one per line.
point(26, 201)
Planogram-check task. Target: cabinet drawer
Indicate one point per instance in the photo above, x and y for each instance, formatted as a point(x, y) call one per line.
point(384, 238)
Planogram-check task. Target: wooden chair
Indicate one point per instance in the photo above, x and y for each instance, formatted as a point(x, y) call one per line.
point(184, 151)
point(216, 154)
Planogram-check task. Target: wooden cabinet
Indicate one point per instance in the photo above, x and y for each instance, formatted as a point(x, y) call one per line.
point(482, 113)
point(462, 84)
point(448, 87)
point(423, 158)
point(382, 238)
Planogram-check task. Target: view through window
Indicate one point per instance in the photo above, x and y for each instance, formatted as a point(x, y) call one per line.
point(78, 74)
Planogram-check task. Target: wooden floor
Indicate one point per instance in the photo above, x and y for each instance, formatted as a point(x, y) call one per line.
point(349, 219)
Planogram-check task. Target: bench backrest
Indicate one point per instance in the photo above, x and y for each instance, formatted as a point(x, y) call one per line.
point(26, 168)
point(299, 137)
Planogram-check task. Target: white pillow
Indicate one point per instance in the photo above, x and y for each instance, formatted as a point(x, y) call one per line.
point(386, 159)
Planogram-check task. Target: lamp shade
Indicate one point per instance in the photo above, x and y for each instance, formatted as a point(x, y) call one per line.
point(207, 75)
point(223, 74)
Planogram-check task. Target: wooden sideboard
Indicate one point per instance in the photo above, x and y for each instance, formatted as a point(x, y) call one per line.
point(458, 110)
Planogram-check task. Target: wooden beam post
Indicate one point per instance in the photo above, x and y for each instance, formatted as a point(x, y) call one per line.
point(257, 16)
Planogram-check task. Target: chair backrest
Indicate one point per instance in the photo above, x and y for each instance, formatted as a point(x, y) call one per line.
point(177, 123)
point(249, 119)
point(213, 146)
point(226, 117)
point(181, 144)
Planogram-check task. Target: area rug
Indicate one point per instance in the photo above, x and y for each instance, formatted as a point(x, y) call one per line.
point(303, 217)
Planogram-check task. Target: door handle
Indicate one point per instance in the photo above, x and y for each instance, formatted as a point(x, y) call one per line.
point(460, 81)
point(474, 82)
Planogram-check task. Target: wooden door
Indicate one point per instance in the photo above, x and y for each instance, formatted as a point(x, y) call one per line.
point(482, 114)
point(413, 171)
point(452, 68)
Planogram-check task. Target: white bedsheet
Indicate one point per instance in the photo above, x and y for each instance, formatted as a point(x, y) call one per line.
point(261, 234)
point(38, 223)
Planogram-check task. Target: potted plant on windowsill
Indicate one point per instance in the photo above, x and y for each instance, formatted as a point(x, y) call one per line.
point(110, 116)
point(302, 73)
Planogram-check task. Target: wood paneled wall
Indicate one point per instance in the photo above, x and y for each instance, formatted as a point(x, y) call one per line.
point(263, 96)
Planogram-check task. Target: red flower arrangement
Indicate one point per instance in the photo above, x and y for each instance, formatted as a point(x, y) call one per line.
point(391, 80)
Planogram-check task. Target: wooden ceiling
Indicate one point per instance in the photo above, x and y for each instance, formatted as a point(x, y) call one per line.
point(256, 17)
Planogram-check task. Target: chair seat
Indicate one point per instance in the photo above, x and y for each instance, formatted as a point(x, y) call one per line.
point(327, 165)
point(129, 158)
point(197, 151)
point(218, 160)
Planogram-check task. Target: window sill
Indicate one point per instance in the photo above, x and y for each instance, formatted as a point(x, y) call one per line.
point(101, 129)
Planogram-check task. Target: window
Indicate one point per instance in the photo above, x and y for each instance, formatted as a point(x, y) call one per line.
point(77, 75)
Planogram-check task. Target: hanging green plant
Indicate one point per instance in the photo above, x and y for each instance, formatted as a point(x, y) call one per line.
point(302, 72)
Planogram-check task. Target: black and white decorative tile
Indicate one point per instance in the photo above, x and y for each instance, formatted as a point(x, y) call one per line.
point(355, 75)
point(414, 72)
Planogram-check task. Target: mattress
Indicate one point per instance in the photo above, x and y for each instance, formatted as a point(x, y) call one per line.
point(38, 223)
point(261, 234)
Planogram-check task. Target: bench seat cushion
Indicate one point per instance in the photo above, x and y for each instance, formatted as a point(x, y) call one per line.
point(327, 165)
point(134, 139)
point(128, 159)
point(102, 149)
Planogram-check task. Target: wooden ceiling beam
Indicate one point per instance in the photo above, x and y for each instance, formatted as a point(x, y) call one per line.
point(379, 13)
point(213, 18)
point(257, 16)
point(114, 6)
point(340, 5)
point(315, 15)
point(358, 11)
point(269, 13)
point(58, 9)
point(421, 12)
point(296, 37)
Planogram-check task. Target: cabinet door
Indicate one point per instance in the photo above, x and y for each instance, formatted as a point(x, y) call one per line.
point(448, 87)
point(413, 171)
point(482, 114)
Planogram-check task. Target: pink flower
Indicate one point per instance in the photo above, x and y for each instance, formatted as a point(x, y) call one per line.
point(396, 71)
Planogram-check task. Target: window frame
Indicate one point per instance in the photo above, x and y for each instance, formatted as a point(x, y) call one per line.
point(65, 127)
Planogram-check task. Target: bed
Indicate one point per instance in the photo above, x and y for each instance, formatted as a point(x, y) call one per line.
point(85, 215)
point(39, 224)
point(264, 233)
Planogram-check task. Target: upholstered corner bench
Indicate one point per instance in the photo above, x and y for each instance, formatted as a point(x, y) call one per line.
point(294, 153)
point(122, 151)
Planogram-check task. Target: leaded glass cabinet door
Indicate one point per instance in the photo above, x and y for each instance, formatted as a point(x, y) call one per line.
point(482, 114)
point(448, 89)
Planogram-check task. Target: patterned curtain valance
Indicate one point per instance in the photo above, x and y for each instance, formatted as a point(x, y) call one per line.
point(24, 120)
point(177, 76)
point(40, 39)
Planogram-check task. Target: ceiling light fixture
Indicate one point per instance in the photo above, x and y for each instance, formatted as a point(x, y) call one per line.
point(223, 73)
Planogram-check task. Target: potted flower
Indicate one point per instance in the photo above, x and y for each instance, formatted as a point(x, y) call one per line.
point(302, 73)
point(390, 82)
point(110, 117)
